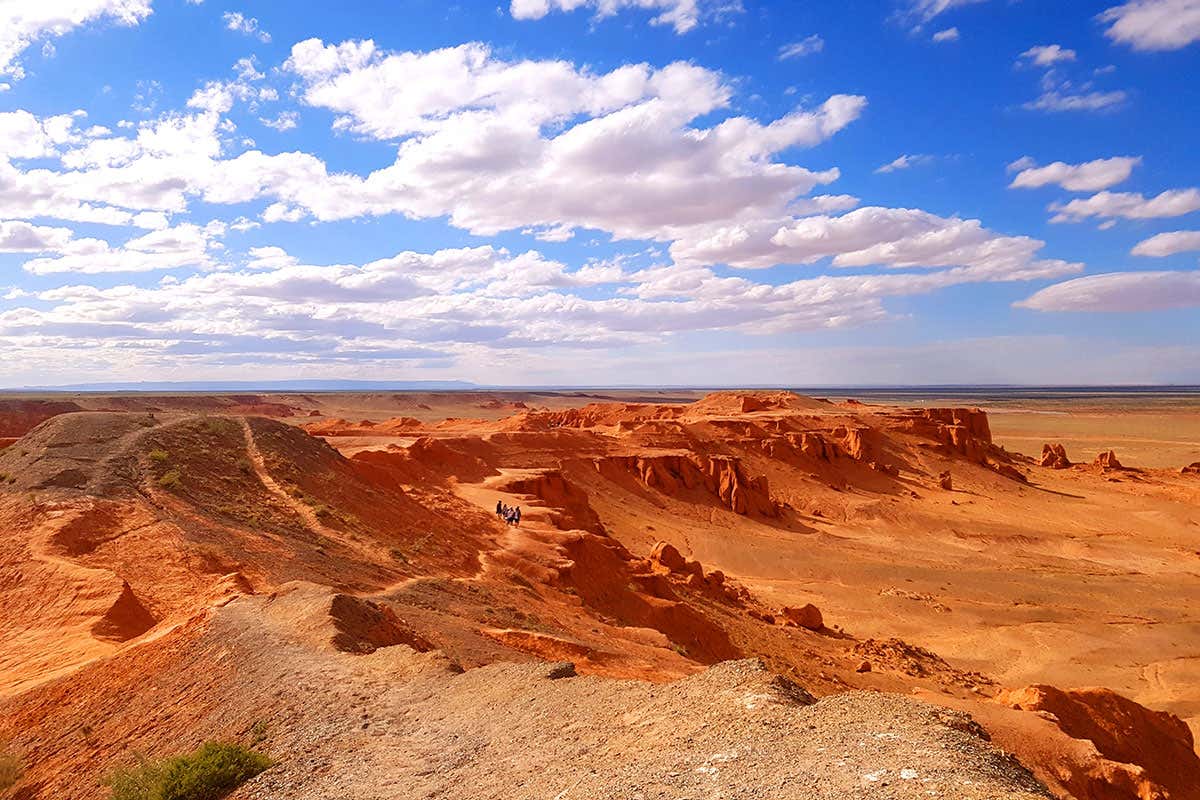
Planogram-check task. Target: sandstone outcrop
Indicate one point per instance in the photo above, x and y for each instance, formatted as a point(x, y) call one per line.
point(570, 507)
point(1107, 461)
point(1142, 753)
point(721, 476)
point(1054, 456)
point(1191, 469)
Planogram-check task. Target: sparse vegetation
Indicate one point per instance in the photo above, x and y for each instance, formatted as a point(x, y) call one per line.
point(159, 456)
point(258, 733)
point(171, 479)
point(209, 773)
point(218, 425)
point(11, 770)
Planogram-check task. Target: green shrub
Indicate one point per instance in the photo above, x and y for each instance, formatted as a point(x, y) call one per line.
point(210, 773)
point(171, 479)
point(159, 456)
point(11, 770)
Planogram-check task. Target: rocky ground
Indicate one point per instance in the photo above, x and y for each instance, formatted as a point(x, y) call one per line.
point(342, 594)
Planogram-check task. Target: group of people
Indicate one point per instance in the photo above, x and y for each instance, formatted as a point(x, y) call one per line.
point(510, 514)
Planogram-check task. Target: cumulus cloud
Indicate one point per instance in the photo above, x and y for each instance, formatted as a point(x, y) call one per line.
point(17, 236)
point(499, 145)
point(1128, 205)
point(23, 22)
point(185, 245)
point(1046, 55)
point(1168, 244)
point(904, 162)
point(682, 15)
point(1120, 291)
point(892, 237)
point(1154, 24)
point(805, 47)
point(1089, 176)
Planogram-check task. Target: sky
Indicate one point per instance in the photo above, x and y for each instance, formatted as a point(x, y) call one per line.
point(600, 192)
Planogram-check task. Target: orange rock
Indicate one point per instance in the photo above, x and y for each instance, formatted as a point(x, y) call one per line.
point(1107, 460)
point(807, 616)
point(945, 481)
point(668, 556)
point(1157, 745)
point(1054, 456)
point(1191, 469)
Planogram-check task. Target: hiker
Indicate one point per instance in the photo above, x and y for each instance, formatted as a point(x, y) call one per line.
point(499, 508)
point(517, 516)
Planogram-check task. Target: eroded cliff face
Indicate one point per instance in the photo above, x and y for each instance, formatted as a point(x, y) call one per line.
point(720, 476)
point(1126, 751)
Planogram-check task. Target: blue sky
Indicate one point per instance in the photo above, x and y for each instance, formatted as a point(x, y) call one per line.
point(600, 191)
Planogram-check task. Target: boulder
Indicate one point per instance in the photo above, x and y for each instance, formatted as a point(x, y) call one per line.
point(806, 616)
point(668, 556)
point(1054, 456)
point(1191, 469)
point(945, 481)
point(1107, 460)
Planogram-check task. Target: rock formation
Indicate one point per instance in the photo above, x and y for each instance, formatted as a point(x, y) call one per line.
point(1141, 753)
point(1107, 461)
point(721, 476)
point(1054, 456)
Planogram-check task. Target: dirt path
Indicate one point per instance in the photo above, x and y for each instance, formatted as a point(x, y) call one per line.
point(301, 510)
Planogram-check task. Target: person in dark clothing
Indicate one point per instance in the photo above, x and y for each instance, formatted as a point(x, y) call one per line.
point(499, 508)
point(517, 516)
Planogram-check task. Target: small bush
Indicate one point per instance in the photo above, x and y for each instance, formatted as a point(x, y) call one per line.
point(11, 770)
point(159, 456)
point(171, 479)
point(210, 773)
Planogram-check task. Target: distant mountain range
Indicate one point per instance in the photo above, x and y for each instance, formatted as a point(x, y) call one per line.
point(300, 385)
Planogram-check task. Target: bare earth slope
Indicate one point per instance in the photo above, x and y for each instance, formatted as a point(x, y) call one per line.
point(167, 577)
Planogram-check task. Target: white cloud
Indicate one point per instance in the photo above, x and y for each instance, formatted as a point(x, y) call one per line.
point(1046, 55)
point(186, 245)
point(237, 21)
point(904, 162)
point(1168, 244)
point(1154, 24)
point(947, 35)
point(920, 12)
point(1128, 205)
point(1089, 176)
point(17, 236)
point(284, 121)
point(805, 47)
point(500, 145)
point(893, 237)
point(1058, 100)
point(1120, 291)
point(23, 22)
point(682, 15)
